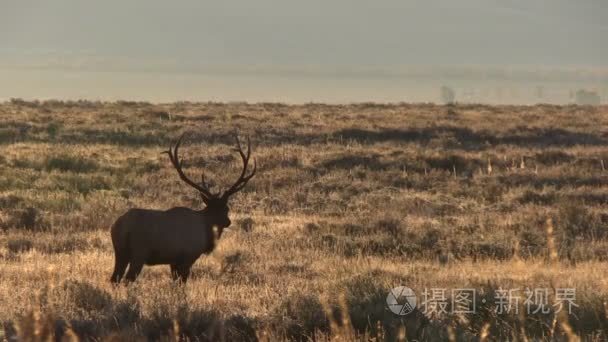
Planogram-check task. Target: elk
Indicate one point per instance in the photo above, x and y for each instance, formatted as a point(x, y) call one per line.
point(178, 236)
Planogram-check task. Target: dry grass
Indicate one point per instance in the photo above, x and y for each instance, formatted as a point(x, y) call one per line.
point(349, 202)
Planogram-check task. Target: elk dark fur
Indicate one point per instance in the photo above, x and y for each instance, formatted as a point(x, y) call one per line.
point(175, 237)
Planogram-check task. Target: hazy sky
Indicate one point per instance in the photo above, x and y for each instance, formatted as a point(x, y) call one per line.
point(312, 32)
point(299, 51)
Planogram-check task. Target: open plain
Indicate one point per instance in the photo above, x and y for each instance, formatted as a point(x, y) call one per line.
point(349, 201)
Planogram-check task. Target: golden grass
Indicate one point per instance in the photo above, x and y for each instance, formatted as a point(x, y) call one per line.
point(350, 201)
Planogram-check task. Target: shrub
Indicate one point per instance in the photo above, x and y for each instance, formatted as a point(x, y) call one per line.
point(390, 226)
point(300, 316)
point(68, 244)
point(553, 157)
point(52, 129)
point(366, 305)
point(576, 221)
point(99, 210)
point(81, 184)
point(19, 245)
point(312, 228)
point(246, 224)
point(431, 238)
point(531, 243)
point(36, 327)
point(84, 297)
point(10, 201)
point(27, 164)
point(28, 218)
point(67, 163)
point(158, 114)
point(234, 261)
point(353, 229)
point(9, 135)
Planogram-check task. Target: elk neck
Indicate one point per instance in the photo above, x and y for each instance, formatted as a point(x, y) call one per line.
point(206, 218)
point(208, 225)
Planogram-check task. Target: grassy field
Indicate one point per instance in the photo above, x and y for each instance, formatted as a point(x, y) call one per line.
point(349, 202)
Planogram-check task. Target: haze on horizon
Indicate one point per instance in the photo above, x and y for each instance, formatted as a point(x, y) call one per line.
point(276, 34)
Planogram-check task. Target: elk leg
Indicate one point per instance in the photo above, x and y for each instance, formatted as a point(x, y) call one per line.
point(134, 270)
point(183, 271)
point(120, 266)
point(174, 272)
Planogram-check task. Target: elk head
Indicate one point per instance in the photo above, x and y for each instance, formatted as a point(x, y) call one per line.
point(216, 204)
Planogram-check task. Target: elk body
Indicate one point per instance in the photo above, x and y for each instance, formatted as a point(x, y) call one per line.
point(178, 236)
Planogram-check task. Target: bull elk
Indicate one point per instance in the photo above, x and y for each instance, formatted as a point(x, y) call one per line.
point(178, 236)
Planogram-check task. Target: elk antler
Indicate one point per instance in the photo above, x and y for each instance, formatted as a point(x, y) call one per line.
point(177, 163)
point(243, 179)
